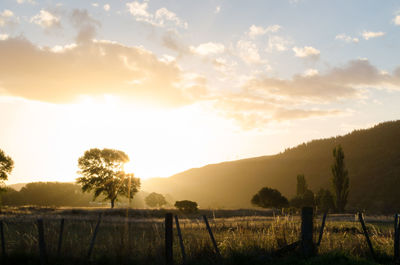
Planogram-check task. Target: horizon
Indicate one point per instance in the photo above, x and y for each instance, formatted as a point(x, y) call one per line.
point(179, 85)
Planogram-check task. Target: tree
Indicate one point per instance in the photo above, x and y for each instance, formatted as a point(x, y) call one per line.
point(102, 171)
point(301, 185)
point(269, 198)
point(155, 199)
point(186, 206)
point(340, 179)
point(325, 200)
point(6, 166)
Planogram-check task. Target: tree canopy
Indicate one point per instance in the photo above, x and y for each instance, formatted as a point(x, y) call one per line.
point(186, 206)
point(340, 179)
point(103, 173)
point(269, 198)
point(155, 200)
point(6, 166)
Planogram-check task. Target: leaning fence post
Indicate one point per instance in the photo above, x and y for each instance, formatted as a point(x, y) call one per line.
point(60, 237)
point(307, 243)
point(93, 238)
point(211, 236)
point(361, 218)
point(396, 236)
point(42, 243)
point(168, 239)
point(178, 228)
point(3, 240)
point(321, 232)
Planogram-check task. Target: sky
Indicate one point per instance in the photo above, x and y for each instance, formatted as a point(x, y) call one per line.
point(181, 84)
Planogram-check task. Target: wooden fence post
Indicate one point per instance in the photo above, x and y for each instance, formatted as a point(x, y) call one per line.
point(307, 243)
point(3, 240)
point(60, 237)
point(178, 228)
point(361, 218)
point(211, 236)
point(169, 257)
point(321, 232)
point(93, 238)
point(396, 237)
point(42, 243)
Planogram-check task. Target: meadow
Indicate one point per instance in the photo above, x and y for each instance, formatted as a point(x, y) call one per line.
point(137, 237)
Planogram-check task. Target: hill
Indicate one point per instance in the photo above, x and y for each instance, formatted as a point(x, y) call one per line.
point(372, 157)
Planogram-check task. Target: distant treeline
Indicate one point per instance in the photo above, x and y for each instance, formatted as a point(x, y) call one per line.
point(59, 194)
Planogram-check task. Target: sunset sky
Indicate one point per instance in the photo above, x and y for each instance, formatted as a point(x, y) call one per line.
point(181, 84)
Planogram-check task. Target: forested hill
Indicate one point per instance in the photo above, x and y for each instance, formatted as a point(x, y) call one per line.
point(372, 157)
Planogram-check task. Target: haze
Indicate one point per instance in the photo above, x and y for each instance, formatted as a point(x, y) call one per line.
point(181, 84)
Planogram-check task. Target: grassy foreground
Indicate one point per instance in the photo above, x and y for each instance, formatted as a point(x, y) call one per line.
point(241, 240)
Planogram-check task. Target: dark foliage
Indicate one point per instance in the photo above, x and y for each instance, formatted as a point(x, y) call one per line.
point(155, 200)
point(186, 206)
point(6, 166)
point(269, 198)
point(340, 179)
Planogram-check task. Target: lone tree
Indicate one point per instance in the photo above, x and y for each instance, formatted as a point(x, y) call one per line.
point(340, 179)
point(269, 198)
point(186, 206)
point(6, 166)
point(155, 199)
point(325, 200)
point(102, 172)
point(301, 185)
point(304, 196)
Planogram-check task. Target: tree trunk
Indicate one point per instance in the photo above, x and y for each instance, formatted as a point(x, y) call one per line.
point(112, 203)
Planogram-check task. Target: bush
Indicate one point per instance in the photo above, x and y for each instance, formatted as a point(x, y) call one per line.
point(186, 206)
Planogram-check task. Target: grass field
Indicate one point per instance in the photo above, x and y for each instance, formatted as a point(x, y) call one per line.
point(243, 237)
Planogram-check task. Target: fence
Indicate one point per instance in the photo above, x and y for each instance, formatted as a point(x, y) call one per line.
point(305, 244)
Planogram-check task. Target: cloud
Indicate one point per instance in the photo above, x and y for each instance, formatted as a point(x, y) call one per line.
point(95, 4)
point(160, 18)
point(370, 34)
point(217, 9)
point(107, 7)
point(307, 51)
point(46, 20)
point(255, 31)
point(396, 20)
point(277, 43)
point(248, 51)
point(3, 36)
point(92, 68)
point(26, 1)
point(85, 25)
point(6, 17)
point(346, 38)
point(311, 72)
point(208, 48)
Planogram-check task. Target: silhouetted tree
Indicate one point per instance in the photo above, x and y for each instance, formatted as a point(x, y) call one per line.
point(340, 179)
point(102, 171)
point(6, 166)
point(269, 198)
point(325, 200)
point(155, 199)
point(301, 185)
point(304, 196)
point(186, 206)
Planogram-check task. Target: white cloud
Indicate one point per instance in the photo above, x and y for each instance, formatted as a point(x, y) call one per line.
point(159, 18)
point(346, 38)
point(396, 20)
point(277, 43)
point(217, 9)
point(307, 51)
point(255, 31)
point(311, 72)
point(3, 36)
point(370, 34)
point(106, 7)
point(248, 51)
point(95, 4)
point(26, 1)
point(208, 48)
point(45, 19)
point(5, 17)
